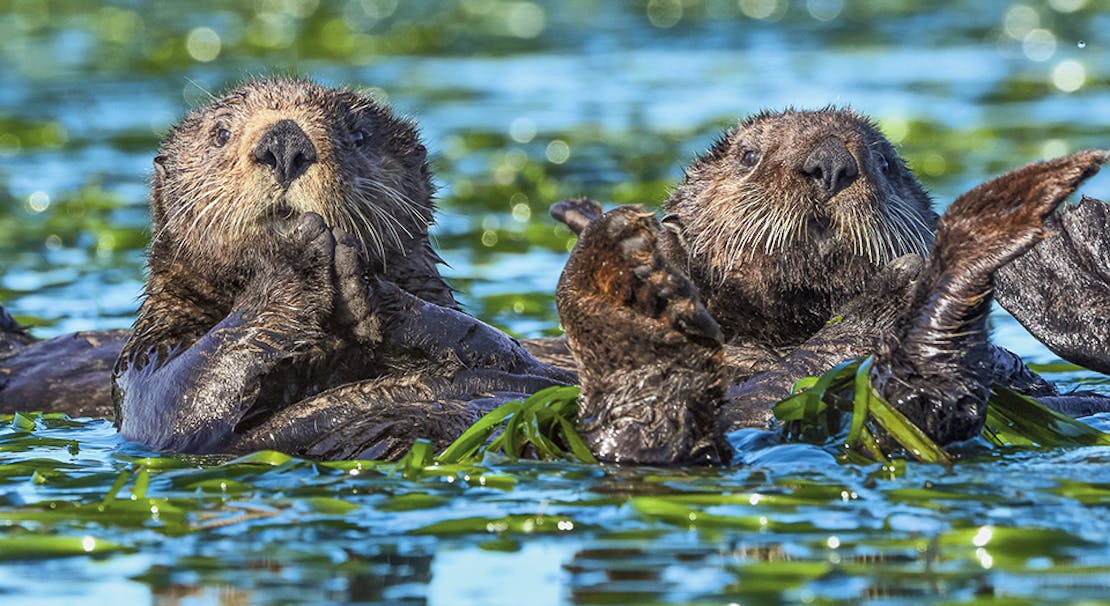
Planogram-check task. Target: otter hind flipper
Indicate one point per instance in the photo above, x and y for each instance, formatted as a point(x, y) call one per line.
point(938, 367)
point(1060, 290)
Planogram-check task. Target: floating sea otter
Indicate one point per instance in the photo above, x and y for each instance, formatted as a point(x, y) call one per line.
point(294, 302)
point(793, 244)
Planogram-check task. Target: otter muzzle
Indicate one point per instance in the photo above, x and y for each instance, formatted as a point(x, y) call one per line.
point(287, 150)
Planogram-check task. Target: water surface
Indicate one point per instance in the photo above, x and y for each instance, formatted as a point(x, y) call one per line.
point(523, 104)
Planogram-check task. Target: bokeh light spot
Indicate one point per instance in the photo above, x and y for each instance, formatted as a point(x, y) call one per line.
point(38, 201)
point(526, 20)
point(522, 130)
point(1054, 148)
point(1039, 45)
point(1019, 21)
point(770, 10)
point(824, 10)
point(664, 13)
point(1067, 6)
point(558, 151)
point(1069, 76)
point(203, 44)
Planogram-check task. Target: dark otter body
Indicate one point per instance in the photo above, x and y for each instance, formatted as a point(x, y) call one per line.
point(802, 233)
point(302, 319)
point(294, 301)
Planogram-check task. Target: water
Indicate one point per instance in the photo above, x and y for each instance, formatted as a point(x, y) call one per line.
point(522, 104)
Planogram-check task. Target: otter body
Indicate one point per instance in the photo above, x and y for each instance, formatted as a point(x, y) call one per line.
point(293, 294)
point(295, 302)
point(798, 241)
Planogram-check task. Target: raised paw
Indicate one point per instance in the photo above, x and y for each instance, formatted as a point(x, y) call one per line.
point(885, 297)
point(296, 280)
point(649, 356)
point(938, 370)
point(311, 248)
point(354, 296)
point(616, 269)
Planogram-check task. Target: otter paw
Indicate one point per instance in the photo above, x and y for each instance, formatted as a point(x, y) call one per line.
point(312, 249)
point(297, 280)
point(617, 265)
point(354, 296)
point(885, 297)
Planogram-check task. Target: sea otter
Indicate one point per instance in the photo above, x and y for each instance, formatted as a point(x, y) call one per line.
point(795, 243)
point(294, 300)
point(297, 318)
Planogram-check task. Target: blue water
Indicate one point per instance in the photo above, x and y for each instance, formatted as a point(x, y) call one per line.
point(634, 92)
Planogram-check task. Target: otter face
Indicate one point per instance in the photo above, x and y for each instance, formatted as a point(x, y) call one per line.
point(232, 176)
point(819, 181)
point(791, 204)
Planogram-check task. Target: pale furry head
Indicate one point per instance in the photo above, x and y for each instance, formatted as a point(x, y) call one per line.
point(213, 201)
point(749, 205)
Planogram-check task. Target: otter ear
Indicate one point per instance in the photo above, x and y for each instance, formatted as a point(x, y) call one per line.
point(159, 167)
point(157, 214)
point(673, 223)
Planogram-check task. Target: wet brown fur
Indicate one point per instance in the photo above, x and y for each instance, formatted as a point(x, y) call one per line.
point(294, 301)
point(937, 364)
point(774, 255)
point(217, 215)
point(629, 314)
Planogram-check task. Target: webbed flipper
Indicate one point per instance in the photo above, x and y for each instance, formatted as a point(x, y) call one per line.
point(937, 367)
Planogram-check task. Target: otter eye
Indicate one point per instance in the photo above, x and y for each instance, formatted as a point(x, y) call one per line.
point(884, 164)
point(360, 137)
point(749, 158)
point(222, 136)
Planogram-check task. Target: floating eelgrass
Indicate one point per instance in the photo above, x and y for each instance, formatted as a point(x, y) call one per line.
point(542, 426)
point(816, 413)
point(840, 410)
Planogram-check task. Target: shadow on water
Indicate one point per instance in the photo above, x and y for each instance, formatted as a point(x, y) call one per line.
point(524, 103)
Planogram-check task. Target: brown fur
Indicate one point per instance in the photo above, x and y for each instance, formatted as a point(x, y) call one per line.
point(773, 253)
point(294, 300)
point(217, 214)
point(937, 364)
point(629, 316)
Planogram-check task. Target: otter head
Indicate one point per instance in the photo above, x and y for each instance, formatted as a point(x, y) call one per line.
point(231, 177)
point(788, 214)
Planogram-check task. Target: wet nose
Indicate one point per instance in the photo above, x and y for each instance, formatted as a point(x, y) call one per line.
point(286, 150)
point(831, 165)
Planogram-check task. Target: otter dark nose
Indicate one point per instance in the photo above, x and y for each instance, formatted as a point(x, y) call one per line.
point(831, 165)
point(286, 150)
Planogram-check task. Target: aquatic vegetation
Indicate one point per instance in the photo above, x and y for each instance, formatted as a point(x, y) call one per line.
point(525, 103)
point(842, 411)
point(265, 524)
